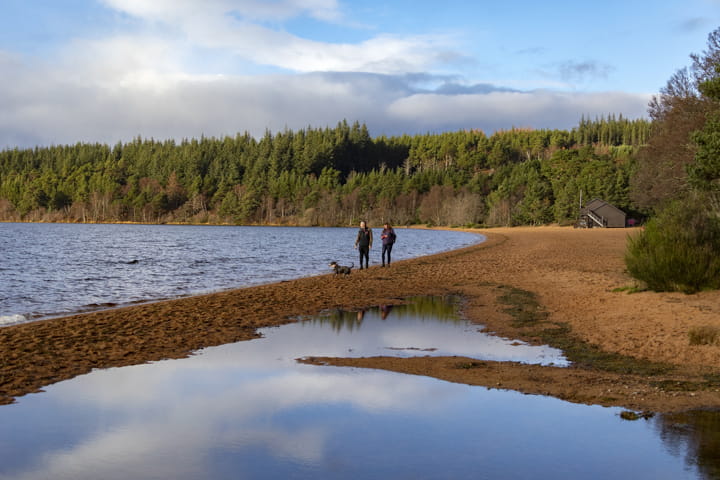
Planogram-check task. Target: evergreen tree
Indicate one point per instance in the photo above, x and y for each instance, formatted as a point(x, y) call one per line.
point(704, 172)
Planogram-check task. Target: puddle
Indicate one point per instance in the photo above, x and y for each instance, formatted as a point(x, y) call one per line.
point(426, 326)
point(249, 410)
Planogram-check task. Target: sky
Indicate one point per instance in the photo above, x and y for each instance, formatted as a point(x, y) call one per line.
point(110, 70)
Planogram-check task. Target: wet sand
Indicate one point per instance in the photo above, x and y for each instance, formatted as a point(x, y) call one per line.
point(574, 276)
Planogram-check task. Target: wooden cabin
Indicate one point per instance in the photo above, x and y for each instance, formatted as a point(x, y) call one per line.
point(599, 213)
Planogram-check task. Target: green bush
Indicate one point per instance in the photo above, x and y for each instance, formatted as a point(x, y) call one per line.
point(679, 250)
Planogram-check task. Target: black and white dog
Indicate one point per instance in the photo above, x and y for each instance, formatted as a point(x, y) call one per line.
point(340, 269)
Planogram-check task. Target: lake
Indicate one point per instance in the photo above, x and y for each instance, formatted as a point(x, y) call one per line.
point(58, 269)
point(250, 410)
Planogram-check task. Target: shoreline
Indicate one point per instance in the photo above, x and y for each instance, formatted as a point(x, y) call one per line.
point(184, 270)
point(573, 276)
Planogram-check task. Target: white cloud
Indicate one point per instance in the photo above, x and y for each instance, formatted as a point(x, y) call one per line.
point(44, 107)
point(164, 10)
point(191, 68)
point(232, 28)
point(121, 61)
point(498, 110)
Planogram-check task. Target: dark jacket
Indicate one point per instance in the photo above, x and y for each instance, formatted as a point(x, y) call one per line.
point(388, 236)
point(364, 238)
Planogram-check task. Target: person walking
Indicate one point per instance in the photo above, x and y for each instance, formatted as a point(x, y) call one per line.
point(363, 243)
point(388, 240)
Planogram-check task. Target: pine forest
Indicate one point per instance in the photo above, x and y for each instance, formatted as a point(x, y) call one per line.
point(330, 177)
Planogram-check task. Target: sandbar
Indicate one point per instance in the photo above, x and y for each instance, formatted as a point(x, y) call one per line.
point(576, 279)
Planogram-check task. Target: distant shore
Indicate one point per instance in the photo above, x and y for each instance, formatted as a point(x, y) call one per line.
point(554, 285)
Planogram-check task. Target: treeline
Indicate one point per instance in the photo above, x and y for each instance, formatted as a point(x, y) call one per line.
point(330, 176)
point(678, 178)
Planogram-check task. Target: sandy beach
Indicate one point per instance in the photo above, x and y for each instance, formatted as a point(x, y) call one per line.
point(558, 285)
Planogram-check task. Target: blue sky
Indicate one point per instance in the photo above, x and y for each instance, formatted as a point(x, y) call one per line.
point(109, 70)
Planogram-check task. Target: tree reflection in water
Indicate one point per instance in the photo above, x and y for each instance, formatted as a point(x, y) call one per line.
point(697, 433)
point(421, 308)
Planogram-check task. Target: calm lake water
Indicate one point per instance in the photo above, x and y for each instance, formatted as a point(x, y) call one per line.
point(55, 269)
point(249, 410)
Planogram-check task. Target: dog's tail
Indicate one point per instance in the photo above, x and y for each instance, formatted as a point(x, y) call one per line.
point(352, 265)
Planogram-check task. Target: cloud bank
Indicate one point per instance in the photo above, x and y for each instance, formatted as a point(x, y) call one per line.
point(183, 68)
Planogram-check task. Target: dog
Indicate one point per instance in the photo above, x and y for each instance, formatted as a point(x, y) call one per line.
point(340, 269)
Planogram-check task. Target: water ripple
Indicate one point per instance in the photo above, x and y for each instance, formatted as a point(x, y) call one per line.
point(53, 269)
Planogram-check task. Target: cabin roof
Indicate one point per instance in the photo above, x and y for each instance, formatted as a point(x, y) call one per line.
point(597, 203)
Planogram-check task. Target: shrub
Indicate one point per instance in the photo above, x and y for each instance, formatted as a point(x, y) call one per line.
point(678, 251)
point(704, 335)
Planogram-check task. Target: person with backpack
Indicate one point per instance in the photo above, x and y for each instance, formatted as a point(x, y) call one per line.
point(388, 239)
point(363, 243)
